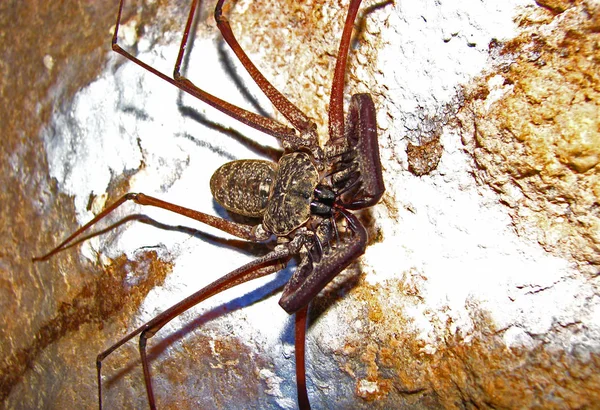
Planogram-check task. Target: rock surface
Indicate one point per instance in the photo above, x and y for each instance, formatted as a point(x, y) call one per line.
point(480, 284)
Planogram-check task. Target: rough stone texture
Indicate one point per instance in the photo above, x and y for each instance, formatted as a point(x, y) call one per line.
point(424, 158)
point(439, 313)
point(48, 51)
point(534, 129)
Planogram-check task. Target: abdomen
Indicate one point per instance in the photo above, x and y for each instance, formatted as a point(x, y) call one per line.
point(244, 186)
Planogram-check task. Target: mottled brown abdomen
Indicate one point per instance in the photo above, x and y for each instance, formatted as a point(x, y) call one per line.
point(244, 186)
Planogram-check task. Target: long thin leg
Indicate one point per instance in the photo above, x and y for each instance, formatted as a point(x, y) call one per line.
point(233, 228)
point(293, 114)
point(264, 124)
point(270, 263)
point(336, 102)
point(300, 338)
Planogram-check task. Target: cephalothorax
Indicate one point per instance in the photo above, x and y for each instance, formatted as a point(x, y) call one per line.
point(303, 201)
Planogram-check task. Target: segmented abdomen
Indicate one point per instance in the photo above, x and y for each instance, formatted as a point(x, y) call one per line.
point(244, 186)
